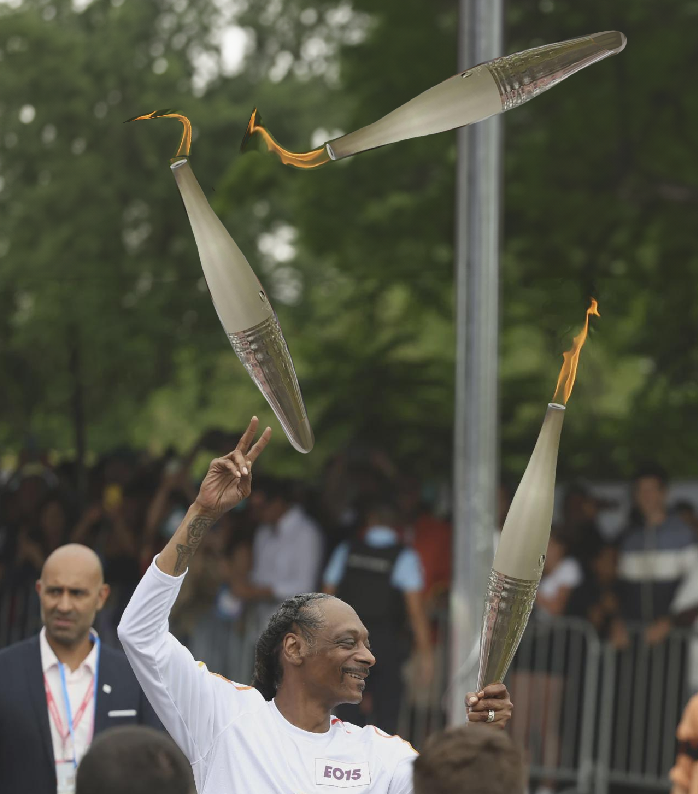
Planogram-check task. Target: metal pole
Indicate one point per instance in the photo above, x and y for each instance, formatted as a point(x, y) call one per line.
point(477, 318)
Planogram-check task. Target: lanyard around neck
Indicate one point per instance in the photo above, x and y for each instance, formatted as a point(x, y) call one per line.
point(66, 698)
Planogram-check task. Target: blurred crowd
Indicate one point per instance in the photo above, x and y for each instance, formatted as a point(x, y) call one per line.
point(362, 530)
point(366, 530)
point(645, 576)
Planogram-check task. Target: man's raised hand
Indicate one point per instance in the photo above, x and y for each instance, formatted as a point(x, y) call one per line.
point(229, 479)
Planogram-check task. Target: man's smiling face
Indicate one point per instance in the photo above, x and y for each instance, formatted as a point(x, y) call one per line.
point(338, 660)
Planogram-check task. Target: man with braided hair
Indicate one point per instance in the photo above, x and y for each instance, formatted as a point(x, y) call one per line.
point(277, 736)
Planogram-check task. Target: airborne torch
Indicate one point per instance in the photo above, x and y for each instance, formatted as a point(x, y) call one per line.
point(466, 98)
point(240, 301)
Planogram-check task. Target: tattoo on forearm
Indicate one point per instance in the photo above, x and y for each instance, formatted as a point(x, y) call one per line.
point(195, 532)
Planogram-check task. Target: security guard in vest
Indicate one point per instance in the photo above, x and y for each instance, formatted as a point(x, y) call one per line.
point(383, 580)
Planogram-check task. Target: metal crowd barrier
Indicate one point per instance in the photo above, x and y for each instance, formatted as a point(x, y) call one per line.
point(589, 718)
point(643, 693)
point(553, 683)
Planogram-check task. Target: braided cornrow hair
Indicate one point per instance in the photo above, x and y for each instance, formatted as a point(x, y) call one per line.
point(297, 611)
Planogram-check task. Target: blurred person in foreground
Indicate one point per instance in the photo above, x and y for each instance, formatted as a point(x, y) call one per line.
point(61, 687)
point(469, 759)
point(657, 564)
point(277, 736)
point(383, 581)
point(134, 760)
point(684, 773)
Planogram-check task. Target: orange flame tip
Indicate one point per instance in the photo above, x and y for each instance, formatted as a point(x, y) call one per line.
point(568, 373)
point(256, 130)
point(185, 142)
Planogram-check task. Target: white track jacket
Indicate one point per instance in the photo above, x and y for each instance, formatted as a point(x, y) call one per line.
point(236, 741)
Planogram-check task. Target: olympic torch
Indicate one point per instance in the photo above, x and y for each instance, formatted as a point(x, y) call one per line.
point(520, 557)
point(240, 301)
point(466, 98)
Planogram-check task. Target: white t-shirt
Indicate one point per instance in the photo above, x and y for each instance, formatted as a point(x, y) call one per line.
point(287, 557)
point(236, 741)
point(567, 573)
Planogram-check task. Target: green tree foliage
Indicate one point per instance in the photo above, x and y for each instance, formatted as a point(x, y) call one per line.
point(100, 286)
point(96, 264)
point(104, 307)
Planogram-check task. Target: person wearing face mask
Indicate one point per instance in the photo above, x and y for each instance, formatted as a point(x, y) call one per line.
point(383, 580)
point(278, 736)
point(62, 687)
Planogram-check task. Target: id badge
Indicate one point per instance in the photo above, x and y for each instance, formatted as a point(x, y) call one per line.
point(340, 774)
point(65, 774)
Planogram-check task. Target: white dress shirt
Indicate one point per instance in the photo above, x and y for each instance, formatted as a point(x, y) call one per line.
point(77, 683)
point(286, 557)
point(236, 741)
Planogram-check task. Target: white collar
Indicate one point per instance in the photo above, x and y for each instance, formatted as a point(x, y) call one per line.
point(49, 658)
point(291, 728)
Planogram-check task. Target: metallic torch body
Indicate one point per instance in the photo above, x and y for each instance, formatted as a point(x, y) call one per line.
point(245, 312)
point(480, 92)
point(518, 563)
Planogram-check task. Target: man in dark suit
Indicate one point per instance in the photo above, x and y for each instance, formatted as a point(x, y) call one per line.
point(60, 688)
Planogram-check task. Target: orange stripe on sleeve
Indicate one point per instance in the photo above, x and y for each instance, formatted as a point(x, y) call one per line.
point(393, 736)
point(227, 680)
point(232, 683)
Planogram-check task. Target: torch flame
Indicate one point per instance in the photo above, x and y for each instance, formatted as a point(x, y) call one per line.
point(568, 373)
point(185, 143)
point(255, 129)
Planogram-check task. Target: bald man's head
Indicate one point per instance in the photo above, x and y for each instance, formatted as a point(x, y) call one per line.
point(72, 591)
point(75, 557)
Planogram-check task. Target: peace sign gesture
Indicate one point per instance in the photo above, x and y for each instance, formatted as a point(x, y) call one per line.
point(229, 479)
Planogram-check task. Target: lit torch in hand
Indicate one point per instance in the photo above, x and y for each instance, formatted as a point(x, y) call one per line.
point(240, 301)
point(518, 563)
point(466, 98)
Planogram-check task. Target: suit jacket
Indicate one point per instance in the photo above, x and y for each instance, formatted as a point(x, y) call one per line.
point(26, 751)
